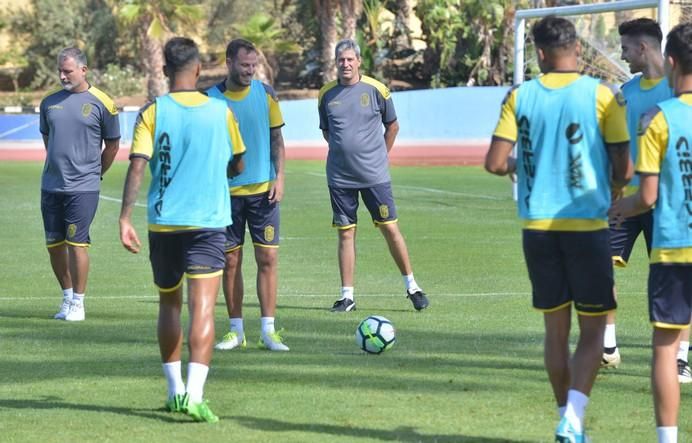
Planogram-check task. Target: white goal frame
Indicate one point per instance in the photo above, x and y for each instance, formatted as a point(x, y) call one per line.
point(520, 17)
point(662, 6)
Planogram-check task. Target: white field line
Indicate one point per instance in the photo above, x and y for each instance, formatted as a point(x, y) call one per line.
point(433, 190)
point(117, 200)
point(94, 298)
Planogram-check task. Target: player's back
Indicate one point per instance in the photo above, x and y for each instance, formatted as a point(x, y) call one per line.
point(562, 160)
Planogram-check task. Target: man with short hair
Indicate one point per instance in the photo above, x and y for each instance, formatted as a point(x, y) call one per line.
point(663, 165)
point(74, 122)
point(352, 111)
point(641, 49)
point(191, 143)
point(256, 194)
point(565, 169)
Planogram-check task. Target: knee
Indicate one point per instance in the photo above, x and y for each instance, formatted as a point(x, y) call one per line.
point(232, 260)
point(266, 258)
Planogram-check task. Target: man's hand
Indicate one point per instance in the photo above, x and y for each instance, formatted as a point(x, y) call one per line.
point(128, 236)
point(276, 192)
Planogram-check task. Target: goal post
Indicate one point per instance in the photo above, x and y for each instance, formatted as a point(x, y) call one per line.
point(522, 15)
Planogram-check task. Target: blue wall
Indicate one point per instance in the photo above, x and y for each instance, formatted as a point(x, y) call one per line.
point(451, 114)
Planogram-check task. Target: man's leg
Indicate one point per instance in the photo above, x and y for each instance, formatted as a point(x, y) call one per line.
point(397, 246)
point(201, 302)
point(684, 373)
point(267, 275)
point(347, 255)
point(665, 386)
point(59, 261)
point(233, 289)
point(587, 354)
point(79, 267)
point(54, 227)
point(267, 260)
point(399, 252)
point(79, 271)
point(170, 336)
point(556, 352)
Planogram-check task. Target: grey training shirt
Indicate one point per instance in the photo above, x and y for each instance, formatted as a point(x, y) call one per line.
point(353, 116)
point(76, 124)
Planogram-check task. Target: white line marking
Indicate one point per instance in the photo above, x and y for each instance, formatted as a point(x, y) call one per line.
point(117, 200)
point(433, 190)
point(442, 191)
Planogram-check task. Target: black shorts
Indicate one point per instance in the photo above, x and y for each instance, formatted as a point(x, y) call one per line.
point(566, 267)
point(67, 217)
point(670, 295)
point(261, 217)
point(378, 199)
point(622, 237)
point(195, 254)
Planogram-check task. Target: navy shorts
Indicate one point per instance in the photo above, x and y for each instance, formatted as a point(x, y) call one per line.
point(566, 267)
point(622, 237)
point(261, 217)
point(378, 199)
point(197, 254)
point(670, 295)
point(67, 217)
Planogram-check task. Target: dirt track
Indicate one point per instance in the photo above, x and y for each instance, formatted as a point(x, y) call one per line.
point(404, 155)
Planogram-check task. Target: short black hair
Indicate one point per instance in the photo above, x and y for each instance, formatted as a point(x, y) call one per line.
point(179, 53)
point(554, 32)
point(235, 45)
point(641, 27)
point(679, 46)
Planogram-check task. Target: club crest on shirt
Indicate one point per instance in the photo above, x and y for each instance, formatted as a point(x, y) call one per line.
point(364, 100)
point(384, 211)
point(86, 109)
point(268, 233)
point(71, 230)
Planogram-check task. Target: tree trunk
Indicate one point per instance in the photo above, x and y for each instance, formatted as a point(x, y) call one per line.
point(350, 13)
point(326, 15)
point(401, 37)
point(153, 61)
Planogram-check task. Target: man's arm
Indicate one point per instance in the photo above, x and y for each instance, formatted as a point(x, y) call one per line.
point(325, 135)
point(45, 141)
point(498, 160)
point(391, 129)
point(235, 166)
point(642, 201)
point(133, 181)
point(278, 158)
point(108, 154)
point(622, 168)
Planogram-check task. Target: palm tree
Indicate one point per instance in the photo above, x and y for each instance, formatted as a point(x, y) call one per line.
point(151, 20)
point(351, 11)
point(326, 16)
point(267, 36)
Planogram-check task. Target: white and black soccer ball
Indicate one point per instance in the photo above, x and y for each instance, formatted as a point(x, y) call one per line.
point(375, 334)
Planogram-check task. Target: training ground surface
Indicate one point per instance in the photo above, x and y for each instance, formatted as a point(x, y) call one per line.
point(403, 154)
point(467, 369)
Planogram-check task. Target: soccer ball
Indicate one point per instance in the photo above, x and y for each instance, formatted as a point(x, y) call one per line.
point(375, 334)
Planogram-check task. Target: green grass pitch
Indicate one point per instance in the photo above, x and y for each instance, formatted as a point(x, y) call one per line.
point(470, 368)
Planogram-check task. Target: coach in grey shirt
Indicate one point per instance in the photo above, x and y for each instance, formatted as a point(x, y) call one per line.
point(74, 122)
point(353, 110)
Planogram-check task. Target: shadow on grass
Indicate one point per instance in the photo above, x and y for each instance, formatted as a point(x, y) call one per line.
point(48, 403)
point(401, 434)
